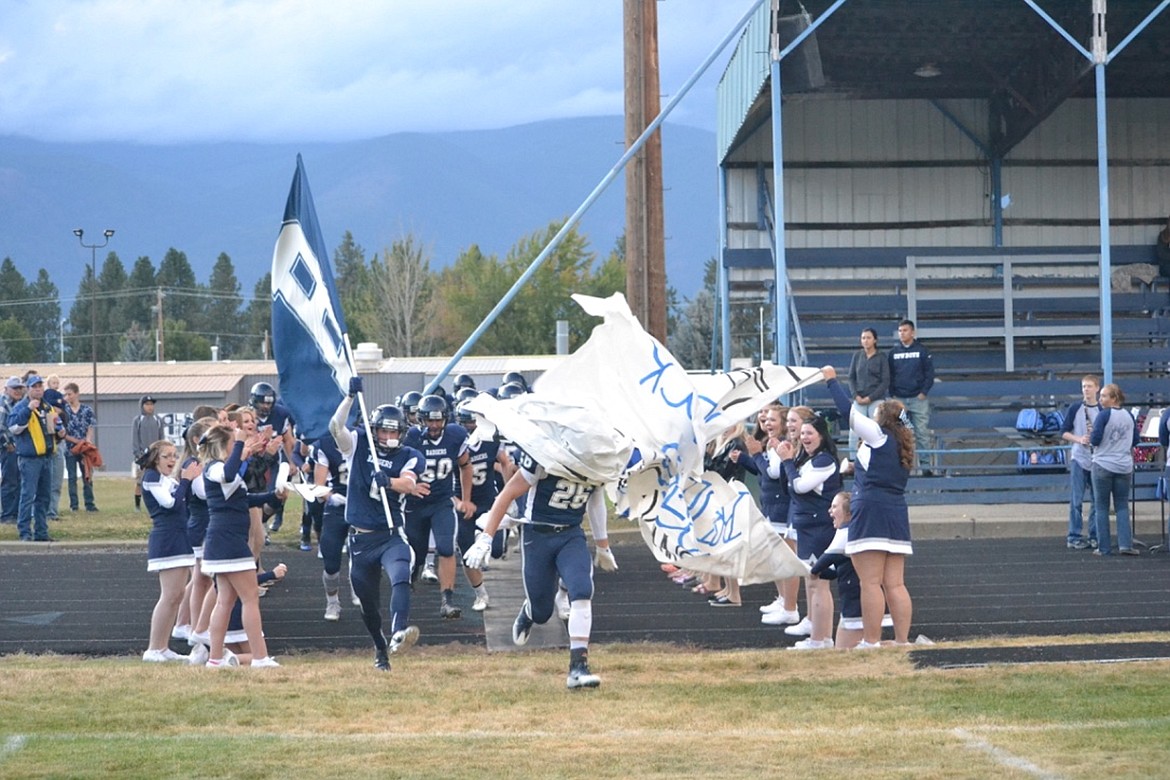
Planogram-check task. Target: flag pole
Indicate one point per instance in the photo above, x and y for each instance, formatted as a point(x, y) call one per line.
point(361, 399)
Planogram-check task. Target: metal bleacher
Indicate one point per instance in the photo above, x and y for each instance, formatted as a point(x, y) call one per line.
point(1007, 332)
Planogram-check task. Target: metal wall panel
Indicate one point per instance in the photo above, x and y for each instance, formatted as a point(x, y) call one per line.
point(743, 78)
point(1051, 175)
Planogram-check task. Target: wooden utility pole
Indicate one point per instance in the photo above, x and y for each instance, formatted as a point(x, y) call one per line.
point(645, 240)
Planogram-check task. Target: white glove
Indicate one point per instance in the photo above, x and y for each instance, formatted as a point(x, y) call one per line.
point(477, 557)
point(604, 560)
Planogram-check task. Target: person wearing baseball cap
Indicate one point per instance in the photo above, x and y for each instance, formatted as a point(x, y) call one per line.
point(146, 429)
point(36, 429)
point(9, 470)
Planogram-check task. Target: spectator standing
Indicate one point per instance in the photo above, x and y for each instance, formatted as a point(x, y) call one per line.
point(9, 468)
point(55, 399)
point(1078, 427)
point(1162, 249)
point(1113, 439)
point(79, 427)
point(36, 430)
point(146, 429)
point(911, 379)
point(869, 378)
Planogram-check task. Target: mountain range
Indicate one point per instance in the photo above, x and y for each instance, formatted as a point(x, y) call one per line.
point(449, 190)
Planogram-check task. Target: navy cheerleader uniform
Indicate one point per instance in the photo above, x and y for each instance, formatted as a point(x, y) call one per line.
point(225, 548)
point(166, 500)
point(879, 517)
point(774, 495)
point(812, 487)
point(197, 513)
point(835, 564)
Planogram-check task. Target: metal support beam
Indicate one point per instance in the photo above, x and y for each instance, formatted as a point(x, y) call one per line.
point(783, 340)
point(722, 279)
point(575, 217)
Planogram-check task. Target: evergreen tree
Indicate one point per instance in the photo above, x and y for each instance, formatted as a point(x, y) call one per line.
point(355, 289)
point(693, 321)
point(106, 296)
point(141, 289)
point(137, 345)
point(14, 309)
point(179, 343)
point(223, 322)
point(690, 342)
point(258, 319)
point(42, 317)
point(183, 296)
point(111, 317)
point(13, 288)
point(19, 346)
point(78, 348)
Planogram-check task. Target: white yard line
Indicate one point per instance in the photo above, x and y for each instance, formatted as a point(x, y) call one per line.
point(11, 746)
point(968, 735)
point(1001, 756)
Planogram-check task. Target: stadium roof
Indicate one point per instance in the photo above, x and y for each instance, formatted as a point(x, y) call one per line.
point(997, 50)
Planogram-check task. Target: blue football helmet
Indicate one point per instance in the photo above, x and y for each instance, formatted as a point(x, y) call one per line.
point(409, 404)
point(387, 417)
point(510, 390)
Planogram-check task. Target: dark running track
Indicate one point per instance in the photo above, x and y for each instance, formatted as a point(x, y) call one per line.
point(98, 602)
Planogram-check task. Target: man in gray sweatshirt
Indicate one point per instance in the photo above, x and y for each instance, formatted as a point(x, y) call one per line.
point(146, 429)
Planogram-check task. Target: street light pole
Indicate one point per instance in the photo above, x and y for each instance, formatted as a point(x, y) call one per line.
point(93, 309)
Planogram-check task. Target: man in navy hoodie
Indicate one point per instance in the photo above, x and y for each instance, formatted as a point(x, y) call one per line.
point(911, 379)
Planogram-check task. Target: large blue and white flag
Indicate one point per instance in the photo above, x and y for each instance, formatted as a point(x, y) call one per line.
point(622, 388)
point(308, 328)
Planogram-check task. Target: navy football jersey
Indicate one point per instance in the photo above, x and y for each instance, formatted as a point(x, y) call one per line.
point(442, 461)
point(279, 419)
point(363, 505)
point(483, 455)
point(324, 452)
point(553, 500)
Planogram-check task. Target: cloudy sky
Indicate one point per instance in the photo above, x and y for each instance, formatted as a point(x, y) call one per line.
point(164, 71)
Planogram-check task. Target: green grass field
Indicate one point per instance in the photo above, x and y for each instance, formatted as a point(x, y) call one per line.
point(662, 711)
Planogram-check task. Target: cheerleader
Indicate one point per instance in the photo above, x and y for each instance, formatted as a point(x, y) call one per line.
point(201, 599)
point(226, 553)
point(834, 564)
point(169, 553)
point(813, 480)
point(762, 460)
point(879, 532)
